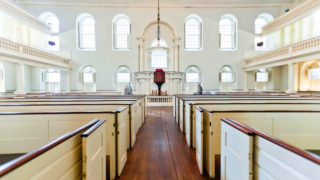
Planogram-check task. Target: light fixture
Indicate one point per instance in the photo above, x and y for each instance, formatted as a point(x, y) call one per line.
point(158, 21)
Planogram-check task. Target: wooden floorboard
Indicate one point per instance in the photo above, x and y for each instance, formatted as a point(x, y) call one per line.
point(161, 151)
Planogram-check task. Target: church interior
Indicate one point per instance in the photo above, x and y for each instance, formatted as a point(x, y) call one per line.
point(159, 89)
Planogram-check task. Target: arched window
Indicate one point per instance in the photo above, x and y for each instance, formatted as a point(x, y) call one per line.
point(227, 74)
point(121, 32)
point(193, 32)
point(54, 24)
point(260, 22)
point(316, 23)
point(52, 79)
point(193, 74)
point(86, 32)
point(314, 73)
point(52, 20)
point(306, 27)
point(159, 58)
point(88, 79)
point(123, 74)
point(262, 75)
point(2, 78)
point(228, 27)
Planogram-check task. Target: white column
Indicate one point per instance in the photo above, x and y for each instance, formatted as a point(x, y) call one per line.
point(69, 80)
point(176, 54)
point(20, 79)
point(141, 54)
point(291, 79)
point(245, 81)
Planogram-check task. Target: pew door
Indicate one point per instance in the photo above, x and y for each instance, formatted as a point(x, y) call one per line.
point(121, 140)
point(199, 141)
point(188, 124)
point(94, 154)
point(181, 115)
point(236, 153)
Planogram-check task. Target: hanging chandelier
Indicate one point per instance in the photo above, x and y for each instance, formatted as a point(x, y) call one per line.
point(158, 28)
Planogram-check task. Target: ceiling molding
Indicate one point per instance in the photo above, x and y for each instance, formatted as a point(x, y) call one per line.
point(149, 5)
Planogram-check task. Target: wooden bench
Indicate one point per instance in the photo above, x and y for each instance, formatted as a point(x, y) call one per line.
point(247, 153)
point(25, 131)
point(264, 117)
point(135, 120)
point(188, 123)
point(77, 154)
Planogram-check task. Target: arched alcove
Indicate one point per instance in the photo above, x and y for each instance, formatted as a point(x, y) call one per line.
point(146, 39)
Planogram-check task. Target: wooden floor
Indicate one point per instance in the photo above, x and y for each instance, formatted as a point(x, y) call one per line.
point(161, 151)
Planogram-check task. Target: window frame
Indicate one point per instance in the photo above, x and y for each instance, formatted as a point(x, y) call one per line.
point(200, 29)
point(233, 35)
point(115, 20)
point(82, 17)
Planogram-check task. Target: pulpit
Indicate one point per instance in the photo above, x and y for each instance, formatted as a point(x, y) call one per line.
point(159, 78)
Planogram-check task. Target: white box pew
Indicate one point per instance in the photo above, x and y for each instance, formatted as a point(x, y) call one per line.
point(180, 101)
point(250, 154)
point(140, 100)
point(265, 117)
point(24, 131)
point(135, 117)
point(189, 121)
point(67, 157)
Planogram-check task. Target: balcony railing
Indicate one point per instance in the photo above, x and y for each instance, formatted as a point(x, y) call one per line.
point(300, 48)
point(20, 51)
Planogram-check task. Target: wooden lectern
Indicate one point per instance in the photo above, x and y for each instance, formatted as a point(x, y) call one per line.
point(159, 78)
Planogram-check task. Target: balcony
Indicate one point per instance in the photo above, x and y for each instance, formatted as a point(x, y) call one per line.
point(295, 52)
point(19, 53)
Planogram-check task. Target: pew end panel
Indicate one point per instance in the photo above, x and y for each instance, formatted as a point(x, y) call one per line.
point(94, 152)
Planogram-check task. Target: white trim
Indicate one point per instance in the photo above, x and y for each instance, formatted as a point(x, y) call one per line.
point(151, 5)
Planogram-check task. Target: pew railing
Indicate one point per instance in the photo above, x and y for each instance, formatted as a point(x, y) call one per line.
point(265, 155)
point(160, 100)
point(59, 158)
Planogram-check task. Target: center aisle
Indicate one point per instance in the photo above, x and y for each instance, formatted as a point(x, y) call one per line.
point(161, 151)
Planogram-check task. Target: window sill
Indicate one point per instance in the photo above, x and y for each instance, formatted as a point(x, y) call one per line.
point(201, 49)
point(121, 49)
point(229, 49)
point(79, 49)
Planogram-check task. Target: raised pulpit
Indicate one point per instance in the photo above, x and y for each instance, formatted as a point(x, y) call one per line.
point(159, 78)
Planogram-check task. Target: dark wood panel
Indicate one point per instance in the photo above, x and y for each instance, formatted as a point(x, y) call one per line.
point(161, 151)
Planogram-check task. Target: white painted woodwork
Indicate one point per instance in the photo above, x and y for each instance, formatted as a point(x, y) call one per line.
point(188, 124)
point(122, 141)
point(271, 160)
point(62, 162)
point(299, 128)
point(160, 101)
point(181, 117)
point(94, 155)
point(236, 154)
point(199, 145)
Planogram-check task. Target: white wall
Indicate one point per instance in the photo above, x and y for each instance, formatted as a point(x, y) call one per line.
point(105, 60)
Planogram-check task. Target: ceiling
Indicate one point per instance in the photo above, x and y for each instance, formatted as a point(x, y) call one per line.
point(173, 3)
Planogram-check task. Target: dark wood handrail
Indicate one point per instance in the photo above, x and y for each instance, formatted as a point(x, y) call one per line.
point(11, 165)
point(120, 109)
point(239, 126)
point(93, 128)
point(59, 112)
point(281, 143)
point(253, 111)
point(84, 104)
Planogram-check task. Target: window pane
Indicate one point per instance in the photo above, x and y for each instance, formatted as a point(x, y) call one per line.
point(87, 33)
point(87, 77)
point(159, 59)
point(314, 74)
point(53, 77)
point(262, 77)
point(259, 24)
point(226, 77)
point(53, 22)
point(121, 34)
point(227, 34)
point(193, 34)
point(123, 77)
point(192, 77)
